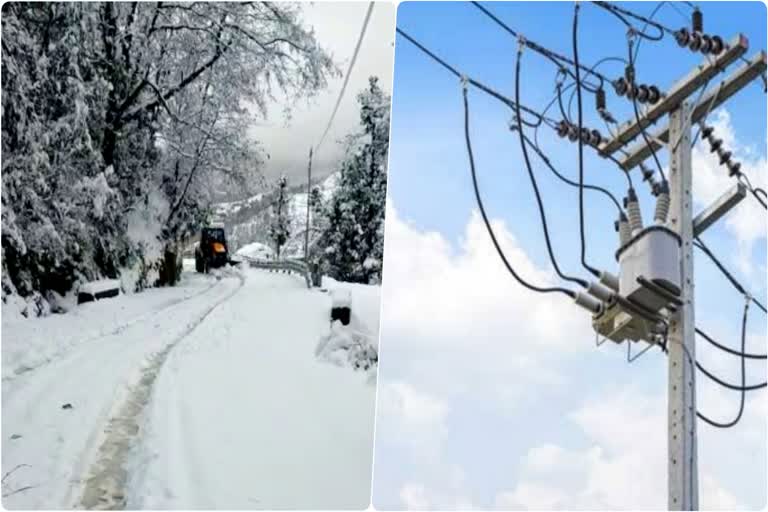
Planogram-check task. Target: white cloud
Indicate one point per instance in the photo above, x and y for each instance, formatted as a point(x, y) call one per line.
point(465, 299)
point(417, 417)
point(625, 467)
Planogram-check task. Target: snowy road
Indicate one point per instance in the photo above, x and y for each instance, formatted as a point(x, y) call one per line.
point(210, 397)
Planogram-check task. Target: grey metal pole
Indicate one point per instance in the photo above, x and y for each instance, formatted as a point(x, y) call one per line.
point(309, 195)
point(681, 414)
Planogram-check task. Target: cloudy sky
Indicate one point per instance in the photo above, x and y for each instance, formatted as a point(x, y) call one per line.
point(491, 396)
point(337, 26)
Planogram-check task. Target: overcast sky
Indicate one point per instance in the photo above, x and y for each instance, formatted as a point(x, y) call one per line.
point(337, 26)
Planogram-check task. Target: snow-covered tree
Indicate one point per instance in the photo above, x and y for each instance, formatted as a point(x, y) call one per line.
point(352, 244)
point(280, 216)
point(121, 119)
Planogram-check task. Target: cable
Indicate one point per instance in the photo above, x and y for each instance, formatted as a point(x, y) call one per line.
point(488, 226)
point(349, 71)
point(728, 349)
point(539, 201)
point(503, 99)
point(568, 181)
point(584, 263)
point(637, 117)
point(653, 13)
point(698, 242)
point(554, 57)
point(619, 12)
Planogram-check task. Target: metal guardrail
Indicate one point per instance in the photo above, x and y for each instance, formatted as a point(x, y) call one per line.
point(289, 265)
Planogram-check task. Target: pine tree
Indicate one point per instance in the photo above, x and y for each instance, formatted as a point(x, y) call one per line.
point(352, 244)
point(280, 220)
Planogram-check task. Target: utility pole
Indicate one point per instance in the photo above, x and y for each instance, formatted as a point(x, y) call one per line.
point(309, 196)
point(681, 402)
point(682, 460)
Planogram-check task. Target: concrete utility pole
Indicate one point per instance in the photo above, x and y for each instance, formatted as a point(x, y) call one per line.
point(681, 415)
point(309, 195)
point(681, 402)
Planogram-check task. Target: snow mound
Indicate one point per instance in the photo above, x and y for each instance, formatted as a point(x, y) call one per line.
point(256, 250)
point(354, 345)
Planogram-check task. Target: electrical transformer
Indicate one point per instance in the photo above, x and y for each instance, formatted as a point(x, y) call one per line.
point(650, 268)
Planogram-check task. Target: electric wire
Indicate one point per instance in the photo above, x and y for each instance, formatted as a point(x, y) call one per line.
point(699, 243)
point(503, 99)
point(553, 56)
point(349, 71)
point(575, 43)
point(539, 201)
point(639, 122)
point(728, 349)
point(572, 183)
point(554, 289)
point(620, 12)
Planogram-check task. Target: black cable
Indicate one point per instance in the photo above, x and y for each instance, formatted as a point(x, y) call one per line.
point(728, 349)
point(637, 117)
point(728, 385)
point(653, 13)
point(508, 102)
point(488, 226)
point(743, 379)
point(549, 165)
point(584, 263)
point(620, 13)
point(539, 201)
point(554, 57)
point(736, 284)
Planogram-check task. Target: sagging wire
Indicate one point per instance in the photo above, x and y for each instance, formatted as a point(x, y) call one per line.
point(555, 289)
point(572, 183)
point(620, 13)
point(699, 243)
point(637, 111)
point(529, 168)
point(575, 44)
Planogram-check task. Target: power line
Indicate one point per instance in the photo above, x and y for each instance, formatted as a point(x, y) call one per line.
point(728, 349)
point(549, 165)
point(488, 90)
point(736, 284)
point(553, 56)
point(620, 13)
point(349, 72)
point(539, 201)
point(574, 31)
point(637, 114)
point(488, 226)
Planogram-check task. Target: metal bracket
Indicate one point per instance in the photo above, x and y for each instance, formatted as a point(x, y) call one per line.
point(720, 207)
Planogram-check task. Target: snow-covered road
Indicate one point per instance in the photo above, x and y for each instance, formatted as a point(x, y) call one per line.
point(207, 397)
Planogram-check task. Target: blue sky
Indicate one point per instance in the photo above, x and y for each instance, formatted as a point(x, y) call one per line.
point(490, 395)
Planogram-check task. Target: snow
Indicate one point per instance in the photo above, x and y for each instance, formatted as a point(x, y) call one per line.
point(102, 285)
point(206, 395)
point(256, 250)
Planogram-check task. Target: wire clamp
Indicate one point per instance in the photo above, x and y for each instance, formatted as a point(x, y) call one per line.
point(521, 43)
point(464, 80)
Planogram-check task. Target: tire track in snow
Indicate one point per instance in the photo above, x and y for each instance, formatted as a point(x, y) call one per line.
point(104, 488)
point(25, 370)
